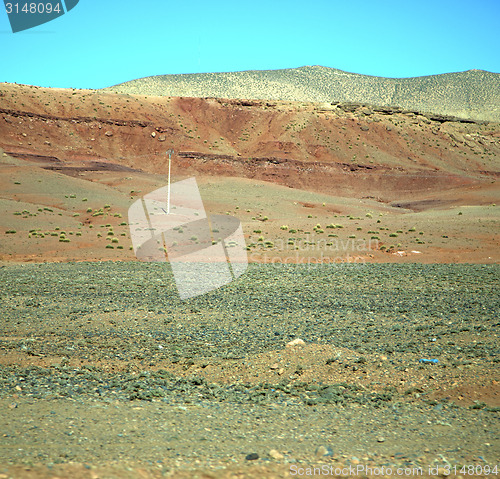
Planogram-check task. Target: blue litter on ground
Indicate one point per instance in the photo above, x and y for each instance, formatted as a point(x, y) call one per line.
point(434, 361)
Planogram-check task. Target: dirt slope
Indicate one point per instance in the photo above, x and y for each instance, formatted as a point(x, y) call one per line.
point(314, 162)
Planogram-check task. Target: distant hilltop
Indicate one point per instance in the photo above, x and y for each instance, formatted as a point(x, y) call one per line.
point(473, 94)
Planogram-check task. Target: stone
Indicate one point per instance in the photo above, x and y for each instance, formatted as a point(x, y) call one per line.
point(442, 472)
point(274, 454)
point(323, 451)
point(296, 342)
point(109, 133)
point(252, 456)
point(380, 439)
point(162, 138)
point(274, 366)
point(153, 134)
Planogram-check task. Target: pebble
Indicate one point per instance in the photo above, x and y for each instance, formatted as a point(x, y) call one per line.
point(323, 451)
point(275, 454)
point(252, 456)
point(380, 439)
point(296, 342)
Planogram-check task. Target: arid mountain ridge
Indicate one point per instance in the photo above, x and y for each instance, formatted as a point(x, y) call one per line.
point(289, 143)
point(68, 153)
point(473, 94)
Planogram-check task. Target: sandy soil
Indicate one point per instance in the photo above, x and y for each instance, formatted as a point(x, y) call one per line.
point(310, 183)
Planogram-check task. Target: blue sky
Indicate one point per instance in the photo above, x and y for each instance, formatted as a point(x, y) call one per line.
point(103, 42)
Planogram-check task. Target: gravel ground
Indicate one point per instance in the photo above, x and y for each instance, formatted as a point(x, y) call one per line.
point(102, 363)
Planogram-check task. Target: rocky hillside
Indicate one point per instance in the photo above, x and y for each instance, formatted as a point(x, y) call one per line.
point(473, 94)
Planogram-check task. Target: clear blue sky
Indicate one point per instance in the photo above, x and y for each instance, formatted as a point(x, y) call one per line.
point(103, 42)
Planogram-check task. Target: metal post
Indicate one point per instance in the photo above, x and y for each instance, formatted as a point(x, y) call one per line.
point(169, 152)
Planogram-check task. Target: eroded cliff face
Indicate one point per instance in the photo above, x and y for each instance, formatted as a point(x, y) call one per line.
point(345, 149)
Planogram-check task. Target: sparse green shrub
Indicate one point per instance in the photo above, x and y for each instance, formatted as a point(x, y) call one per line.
point(284, 227)
point(393, 235)
point(11, 232)
point(108, 246)
point(114, 240)
point(89, 210)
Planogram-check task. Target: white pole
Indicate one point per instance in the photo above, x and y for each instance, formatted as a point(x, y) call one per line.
point(168, 191)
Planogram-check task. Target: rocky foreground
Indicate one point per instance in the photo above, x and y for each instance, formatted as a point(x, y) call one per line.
point(105, 372)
